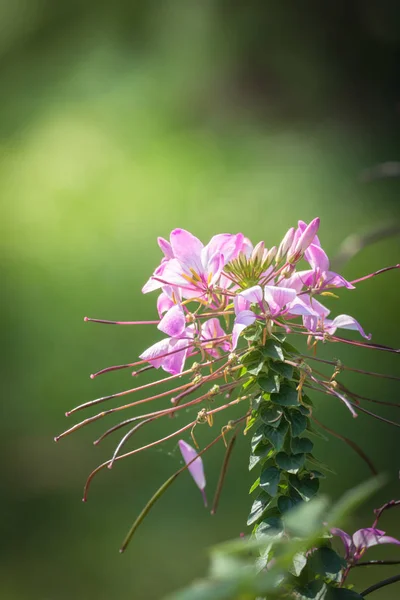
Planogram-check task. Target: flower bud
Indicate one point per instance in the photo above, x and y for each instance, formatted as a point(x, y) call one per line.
point(307, 237)
point(288, 271)
point(258, 252)
point(270, 256)
point(285, 245)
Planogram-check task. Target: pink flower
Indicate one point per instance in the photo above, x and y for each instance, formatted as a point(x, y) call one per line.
point(170, 353)
point(362, 539)
point(196, 468)
point(192, 267)
point(273, 301)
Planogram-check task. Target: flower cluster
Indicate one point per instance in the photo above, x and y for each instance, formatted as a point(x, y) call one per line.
point(230, 276)
point(229, 309)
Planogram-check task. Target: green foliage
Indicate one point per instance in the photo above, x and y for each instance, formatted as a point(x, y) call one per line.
point(260, 505)
point(291, 463)
point(326, 562)
point(303, 563)
point(298, 422)
point(270, 383)
point(269, 480)
point(287, 396)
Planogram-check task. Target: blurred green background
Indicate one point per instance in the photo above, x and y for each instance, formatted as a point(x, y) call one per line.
point(120, 121)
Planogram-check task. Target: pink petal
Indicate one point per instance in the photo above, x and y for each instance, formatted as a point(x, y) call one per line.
point(320, 313)
point(253, 295)
point(227, 244)
point(152, 284)
point(316, 306)
point(187, 249)
point(240, 303)
point(157, 355)
point(214, 268)
point(346, 539)
point(300, 307)
point(165, 247)
point(173, 276)
point(317, 258)
point(175, 362)
point(211, 329)
point(164, 303)
point(310, 322)
point(158, 349)
point(196, 468)
point(365, 538)
point(295, 281)
point(173, 323)
point(246, 247)
point(345, 322)
point(278, 297)
point(335, 280)
point(243, 320)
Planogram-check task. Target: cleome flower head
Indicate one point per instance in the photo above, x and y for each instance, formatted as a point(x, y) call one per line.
point(228, 312)
point(260, 285)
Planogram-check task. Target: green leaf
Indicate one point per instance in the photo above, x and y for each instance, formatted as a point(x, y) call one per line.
point(255, 368)
point(276, 435)
point(259, 507)
point(255, 485)
point(256, 402)
point(298, 422)
point(269, 480)
point(306, 402)
point(260, 453)
point(271, 527)
point(283, 369)
point(271, 414)
point(306, 487)
point(280, 337)
point(253, 361)
point(326, 562)
point(315, 590)
point(286, 503)
point(290, 462)
point(301, 445)
point(287, 396)
point(253, 333)
point(299, 562)
point(257, 438)
point(251, 357)
point(269, 383)
point(273, 349)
